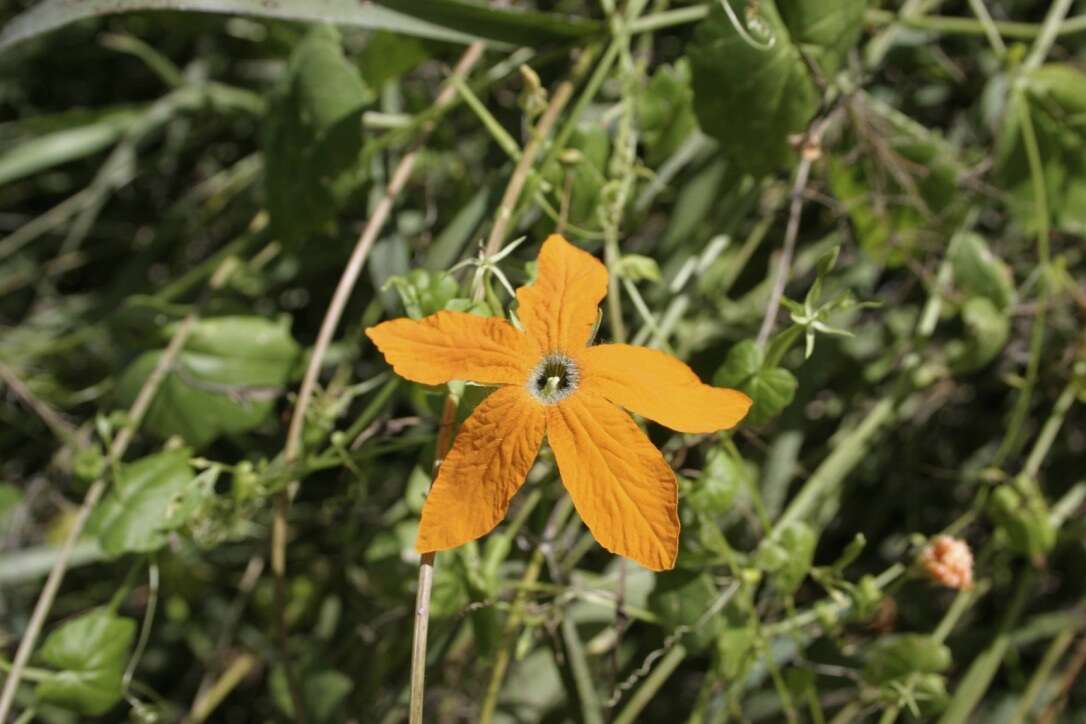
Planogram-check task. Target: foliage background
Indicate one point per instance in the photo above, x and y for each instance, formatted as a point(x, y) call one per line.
point(203, 176)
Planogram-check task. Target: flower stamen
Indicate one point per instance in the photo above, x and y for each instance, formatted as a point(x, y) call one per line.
point(553, 379)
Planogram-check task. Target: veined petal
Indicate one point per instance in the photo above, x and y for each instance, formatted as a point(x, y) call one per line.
point(456, 346)
point(558, 310)
point(658, 386)
point(620, 484)
point(489, 459)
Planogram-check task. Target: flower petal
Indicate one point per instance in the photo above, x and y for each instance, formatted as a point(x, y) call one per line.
point(456, 346)
point(620, 484)
point(658, 386)
point(492, 454)
point(558, 310)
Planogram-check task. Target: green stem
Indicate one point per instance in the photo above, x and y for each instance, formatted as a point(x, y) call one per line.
point(969, 26)
point(846, 455)
point(1012, 440)
point(586, 690)
point(1041, 676)
point(984, 667)
point(651, 685)
point(1049, 32)
point(668, 19)
point(1051, 429)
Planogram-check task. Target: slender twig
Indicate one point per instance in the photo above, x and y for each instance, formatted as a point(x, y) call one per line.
point(328, 327)
point(52, 419)
point(1050, 30)
point(205, 706)
point(426, 576)
point(116, 452)
point(985, 19)
point(784, 261)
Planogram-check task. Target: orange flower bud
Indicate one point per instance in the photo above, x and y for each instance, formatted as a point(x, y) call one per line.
point(948, 561)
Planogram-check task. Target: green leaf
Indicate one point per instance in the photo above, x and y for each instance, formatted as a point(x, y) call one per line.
point(772, 390)
point(895, 657)
point(1022, 516)
point(787, 555)
point(980, 273)
point(827, 29)
point(742, 363)
point(423, 292)
point(224, 382)
point(387, 56)
point(665, 111)
point(986, 332)
point(724, 475)
point(313, 136)
point(636, 268)
point(134, 517)
point(89, 655)
point(49, 15)
point(516, 27)
point(1055, 98)
point(681, 598)
point(750, 99)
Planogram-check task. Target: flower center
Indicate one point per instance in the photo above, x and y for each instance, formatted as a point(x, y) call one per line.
point(553, 379)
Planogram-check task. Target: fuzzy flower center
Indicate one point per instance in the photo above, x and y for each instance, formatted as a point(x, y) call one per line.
point(553, 379)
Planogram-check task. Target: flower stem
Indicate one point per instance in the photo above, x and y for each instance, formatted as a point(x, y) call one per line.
point(426, 576)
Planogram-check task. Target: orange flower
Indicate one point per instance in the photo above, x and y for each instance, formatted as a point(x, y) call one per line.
point(553, 384)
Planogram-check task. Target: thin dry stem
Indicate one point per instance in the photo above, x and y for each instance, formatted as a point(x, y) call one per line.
point(784, 261)
point(331, 320)
point(97, 489)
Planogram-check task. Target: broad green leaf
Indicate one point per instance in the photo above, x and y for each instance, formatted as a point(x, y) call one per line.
point(986, 332)
point(89, 654)
point(772, 390)
point(980, 273)
point(895, 657)
point(665, 111)
point(748, 98)
point(1055, 98)
point(827, 29)
point(46, 16)
point(224, 382)
point(743, 362)
point(681, 599)
point(388, 56)
point(514, 26)
point(787, 555)
point(135, 514)
point(313, 136)
point(722, 478)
